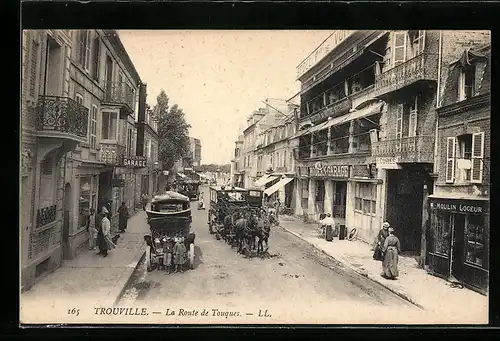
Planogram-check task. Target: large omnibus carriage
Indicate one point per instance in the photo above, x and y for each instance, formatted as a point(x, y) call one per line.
point(169, 217)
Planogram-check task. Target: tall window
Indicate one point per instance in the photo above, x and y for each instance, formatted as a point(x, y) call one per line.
point(400, 38)
point(96, 58)
point(93, 128)
point(109, 125)
point(84, 52)
point(412, 123)
point(399, 121)
point(129, 141)
point(467, 82)
point(418, 42)
point(365, 198)
point(79, 98)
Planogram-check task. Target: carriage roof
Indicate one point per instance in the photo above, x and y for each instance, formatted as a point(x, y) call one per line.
point(170, 197)
point(228, 189)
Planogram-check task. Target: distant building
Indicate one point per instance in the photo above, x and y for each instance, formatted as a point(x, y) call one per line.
point(236, 174)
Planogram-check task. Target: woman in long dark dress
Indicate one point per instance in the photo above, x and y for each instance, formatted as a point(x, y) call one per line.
point(391, 251)
point(382, 235)
point(101, 241)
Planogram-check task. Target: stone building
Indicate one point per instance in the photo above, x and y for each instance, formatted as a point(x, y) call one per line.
point(368, 119)
point(236, 174)
point(458, 240)
point(148, 181)
point(275, 161)
point(80, 92)
point(53, 124)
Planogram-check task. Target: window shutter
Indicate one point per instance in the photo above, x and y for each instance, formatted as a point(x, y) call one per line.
point(477, 157)
point(399, 121)
point(33, 67)
point(399, 47)
point(478, 77)
point(450, 159)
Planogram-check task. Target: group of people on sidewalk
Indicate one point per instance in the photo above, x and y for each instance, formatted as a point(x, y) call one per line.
point(387, 250)
point(99, 228)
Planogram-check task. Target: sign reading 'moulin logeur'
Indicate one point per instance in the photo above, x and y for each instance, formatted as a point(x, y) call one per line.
point(134, 161)
point(321, 170)
point(459, 205)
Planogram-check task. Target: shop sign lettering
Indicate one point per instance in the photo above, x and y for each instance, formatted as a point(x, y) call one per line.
point(456, 207)
point(320, 170)
point(134, 161)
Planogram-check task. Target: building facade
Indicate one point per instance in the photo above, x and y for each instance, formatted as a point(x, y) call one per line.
point(53, 123)
point(236, 174)
point(275, 162)
point(261, 120)
point(458, 239)
point(87, 89)
point(147, 146)
point(368, 122)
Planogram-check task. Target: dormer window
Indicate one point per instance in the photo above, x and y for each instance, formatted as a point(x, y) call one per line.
point(467, 82)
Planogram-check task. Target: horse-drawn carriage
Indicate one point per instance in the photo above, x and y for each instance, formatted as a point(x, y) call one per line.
point(236, 216)
point(169, 218)
point(190, 188)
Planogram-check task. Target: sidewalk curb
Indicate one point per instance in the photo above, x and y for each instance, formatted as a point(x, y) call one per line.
point(353, 268)
point(119, 289)
point(122, 284)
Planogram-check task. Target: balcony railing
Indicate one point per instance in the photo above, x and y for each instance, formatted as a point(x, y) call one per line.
point(418, 149)
point(421, 67)
point(45, 216)
point(62, 115)
point(111, 153)
point(119, 93)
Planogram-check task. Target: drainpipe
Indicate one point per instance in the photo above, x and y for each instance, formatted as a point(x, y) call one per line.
point(438, 104)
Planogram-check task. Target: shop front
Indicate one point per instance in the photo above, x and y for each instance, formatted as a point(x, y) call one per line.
point(363, 202)
point(328, 190)
point(459, 240)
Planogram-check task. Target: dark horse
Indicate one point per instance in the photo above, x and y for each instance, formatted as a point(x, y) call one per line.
point(245, 230)
point(264, 229)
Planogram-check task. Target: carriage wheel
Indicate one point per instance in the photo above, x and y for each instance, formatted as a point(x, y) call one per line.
point(191, 256)
point(148, 258)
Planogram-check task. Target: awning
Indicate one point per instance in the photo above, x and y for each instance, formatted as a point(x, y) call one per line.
point(356, 114)
point(264, 180)
point(202, 175)
point(181, 175)
point(277, 186)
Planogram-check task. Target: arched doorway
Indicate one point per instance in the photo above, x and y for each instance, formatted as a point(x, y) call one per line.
point(66, 221)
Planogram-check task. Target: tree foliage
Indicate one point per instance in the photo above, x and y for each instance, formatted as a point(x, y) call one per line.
point(173, 131)
point(214, 168)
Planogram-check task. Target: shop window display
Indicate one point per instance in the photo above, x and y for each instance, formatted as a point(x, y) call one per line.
point(85, 200)
point(442, 233)
point(365, 198)
point(475, 240)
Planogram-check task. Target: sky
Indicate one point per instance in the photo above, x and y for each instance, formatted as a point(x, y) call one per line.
point(219, 78)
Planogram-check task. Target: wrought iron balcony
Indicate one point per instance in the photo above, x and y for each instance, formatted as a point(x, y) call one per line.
point(420, 68)
point(119, 93)
point(415, 149)
point(62, 117)
point(45, 216)
point(111, 153)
